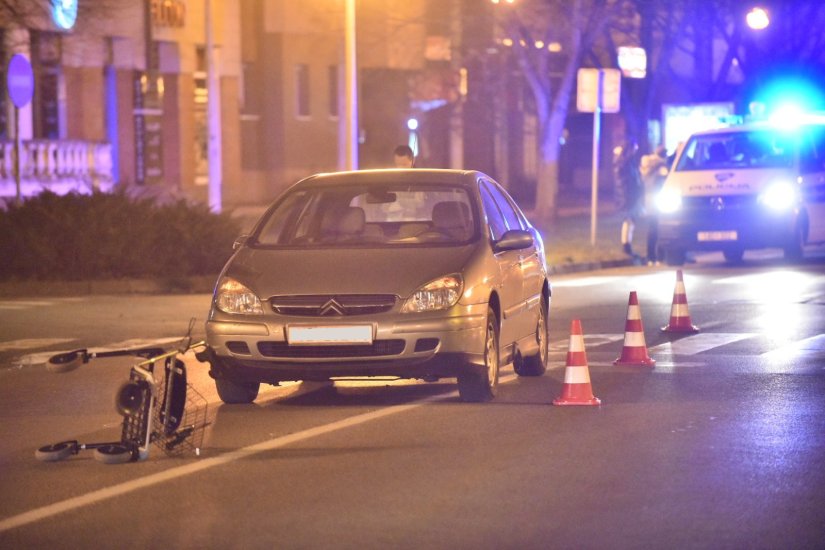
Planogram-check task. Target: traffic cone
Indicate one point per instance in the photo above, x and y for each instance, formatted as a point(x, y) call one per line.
point(577, 389)
point(634, 351)
point(679, 314)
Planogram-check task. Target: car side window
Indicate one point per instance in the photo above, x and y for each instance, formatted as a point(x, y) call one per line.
point(812, 154)
point(494, 217)
point(510, 212)
point(511, 218)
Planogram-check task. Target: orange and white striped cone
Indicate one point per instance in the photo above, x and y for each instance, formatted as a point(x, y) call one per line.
point(634, 351)
point(679, 314)
point(577, 389)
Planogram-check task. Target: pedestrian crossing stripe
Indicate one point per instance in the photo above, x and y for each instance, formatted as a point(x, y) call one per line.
point(699, 343)
point(808, 346)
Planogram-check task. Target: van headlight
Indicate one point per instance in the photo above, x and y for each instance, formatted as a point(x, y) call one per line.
point(668, 200)
point(441, 293)
point(233, 297)
point(779, 196)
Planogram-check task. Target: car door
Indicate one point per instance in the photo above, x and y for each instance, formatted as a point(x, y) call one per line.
point(510, 284)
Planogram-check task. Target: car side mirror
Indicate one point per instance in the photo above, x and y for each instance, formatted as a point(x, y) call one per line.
point(239, 242)
point(515, 239)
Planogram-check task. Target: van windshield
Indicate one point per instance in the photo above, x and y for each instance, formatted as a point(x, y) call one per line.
point(736, 150)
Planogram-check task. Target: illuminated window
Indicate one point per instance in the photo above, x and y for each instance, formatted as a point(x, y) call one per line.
point(302, 95)
point(333, 91)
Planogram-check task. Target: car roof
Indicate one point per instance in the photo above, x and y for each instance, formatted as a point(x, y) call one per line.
point(403, 175)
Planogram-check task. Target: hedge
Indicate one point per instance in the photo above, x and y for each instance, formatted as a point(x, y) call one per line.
point(105, 236)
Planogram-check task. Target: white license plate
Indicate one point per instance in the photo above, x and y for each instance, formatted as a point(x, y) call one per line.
point(329, 334)
point(717, 236)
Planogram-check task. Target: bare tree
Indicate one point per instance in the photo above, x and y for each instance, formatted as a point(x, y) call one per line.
point(542, 32)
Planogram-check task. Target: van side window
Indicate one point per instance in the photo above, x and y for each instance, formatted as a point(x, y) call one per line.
point(812, 155)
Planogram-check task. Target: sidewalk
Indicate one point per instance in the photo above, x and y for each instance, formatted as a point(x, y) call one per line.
point(568, 247)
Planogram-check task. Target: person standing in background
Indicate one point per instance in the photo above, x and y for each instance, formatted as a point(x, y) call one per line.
point(654, 168)
point(403, 157)
point(629, 191)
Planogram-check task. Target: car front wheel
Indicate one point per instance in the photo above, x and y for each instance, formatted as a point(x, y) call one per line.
point(482, 384)
point(233, 393)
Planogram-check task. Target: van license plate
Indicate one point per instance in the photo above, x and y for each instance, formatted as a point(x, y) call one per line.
point(717, 236)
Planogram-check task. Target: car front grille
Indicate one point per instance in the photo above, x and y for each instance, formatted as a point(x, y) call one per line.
point(323, 305)
point(379, 348)
point(718, 203)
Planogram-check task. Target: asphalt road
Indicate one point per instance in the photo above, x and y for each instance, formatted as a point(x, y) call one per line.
point(720, 445)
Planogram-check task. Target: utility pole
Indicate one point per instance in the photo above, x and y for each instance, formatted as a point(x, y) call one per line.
point(214, 116)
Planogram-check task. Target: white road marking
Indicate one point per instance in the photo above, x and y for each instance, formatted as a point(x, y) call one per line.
point(80, 501)
point(589, 340)
point(584, 281)
point(29, 343)
point(813, 346)
point(699, 343)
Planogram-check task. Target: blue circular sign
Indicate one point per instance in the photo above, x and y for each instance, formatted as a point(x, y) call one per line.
point(20, 80)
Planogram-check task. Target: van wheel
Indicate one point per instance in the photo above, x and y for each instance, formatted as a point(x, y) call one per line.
point(675, 256)
point(793, 251)
point(733, 255)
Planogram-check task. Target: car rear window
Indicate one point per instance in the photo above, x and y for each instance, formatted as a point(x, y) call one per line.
point(382, 215)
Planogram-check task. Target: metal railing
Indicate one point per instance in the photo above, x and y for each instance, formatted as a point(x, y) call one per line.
point(60, 166)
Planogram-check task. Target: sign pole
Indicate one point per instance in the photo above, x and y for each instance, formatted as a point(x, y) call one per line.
point(594, 192)
point(17, 153)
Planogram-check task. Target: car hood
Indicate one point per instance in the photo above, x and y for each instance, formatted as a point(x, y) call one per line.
point(398, 271)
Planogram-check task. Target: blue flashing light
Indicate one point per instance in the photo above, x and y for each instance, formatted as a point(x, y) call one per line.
point(412, 124)
point(64, 13)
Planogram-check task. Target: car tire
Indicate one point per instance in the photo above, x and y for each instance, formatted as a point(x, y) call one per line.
point(733, 255)
point(675, 256)
point(536, 364)
point(235, 393)
point(480, 385)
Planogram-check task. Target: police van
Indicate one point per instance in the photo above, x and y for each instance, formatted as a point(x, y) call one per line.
point(745, 187)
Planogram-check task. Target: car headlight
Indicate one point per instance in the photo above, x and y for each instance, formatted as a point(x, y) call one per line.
point(441, 293)
point(779, 196)
point(233, 297)
point(668, 201)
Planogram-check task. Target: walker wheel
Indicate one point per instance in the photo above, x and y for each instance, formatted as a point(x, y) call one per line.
point(56, 452)
point(113, 454)
point(65, 362)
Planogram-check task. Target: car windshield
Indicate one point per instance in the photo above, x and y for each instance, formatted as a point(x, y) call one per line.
point(370, 215)
point(727, 151)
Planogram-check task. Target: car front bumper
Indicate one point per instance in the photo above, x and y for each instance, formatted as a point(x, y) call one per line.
point(427, 345)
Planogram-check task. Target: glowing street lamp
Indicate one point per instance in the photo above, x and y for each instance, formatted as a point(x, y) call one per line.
point(758, 19)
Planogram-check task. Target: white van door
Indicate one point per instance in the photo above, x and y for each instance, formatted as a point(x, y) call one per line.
point(812, 173)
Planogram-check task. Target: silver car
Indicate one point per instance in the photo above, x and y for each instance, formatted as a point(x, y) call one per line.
point(422, 274)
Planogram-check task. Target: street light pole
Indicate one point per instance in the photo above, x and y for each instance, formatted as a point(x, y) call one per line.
point(214, 116)
point(351, 87)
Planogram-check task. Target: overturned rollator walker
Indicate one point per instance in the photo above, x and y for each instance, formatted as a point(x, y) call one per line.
point(158, 407)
